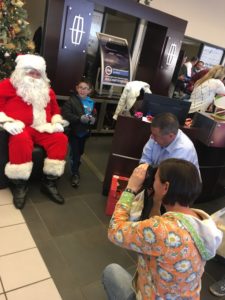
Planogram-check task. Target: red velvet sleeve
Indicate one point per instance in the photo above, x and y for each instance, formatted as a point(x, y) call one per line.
point(55, 109)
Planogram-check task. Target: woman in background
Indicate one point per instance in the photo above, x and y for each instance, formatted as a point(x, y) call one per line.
point(206, 88)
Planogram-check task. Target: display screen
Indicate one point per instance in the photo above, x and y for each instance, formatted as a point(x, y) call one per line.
point(211, 56)
point(115, 60)
point(156, 104)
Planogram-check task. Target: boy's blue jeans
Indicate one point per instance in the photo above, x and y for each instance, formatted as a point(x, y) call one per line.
point(118, 283)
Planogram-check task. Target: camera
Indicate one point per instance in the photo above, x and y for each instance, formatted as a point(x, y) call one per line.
point(148, 196)
point(149, 178)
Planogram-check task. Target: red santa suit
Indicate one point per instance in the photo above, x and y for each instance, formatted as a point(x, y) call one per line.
point(38, 129)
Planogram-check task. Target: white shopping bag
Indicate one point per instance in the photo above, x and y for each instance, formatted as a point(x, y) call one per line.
point(219, 218)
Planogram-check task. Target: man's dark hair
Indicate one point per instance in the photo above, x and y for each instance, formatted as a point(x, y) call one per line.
point(184, 181)
point(166, 122)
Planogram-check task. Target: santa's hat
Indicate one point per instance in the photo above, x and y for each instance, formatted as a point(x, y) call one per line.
point(31, 61)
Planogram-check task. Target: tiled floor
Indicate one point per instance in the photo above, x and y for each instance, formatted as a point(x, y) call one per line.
point(72, 239)
point(23, 273)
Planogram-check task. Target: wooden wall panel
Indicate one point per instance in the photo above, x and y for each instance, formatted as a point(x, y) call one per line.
point(66, 59)
point(65, 65)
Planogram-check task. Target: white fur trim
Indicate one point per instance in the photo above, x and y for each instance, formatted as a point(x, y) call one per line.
point(56, 119)
point(54, 167)
point(4, 118)
point(31, 61)
point(18, 171)
point(39, 116)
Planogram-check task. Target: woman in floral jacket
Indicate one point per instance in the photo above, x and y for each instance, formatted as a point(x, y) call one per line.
point(172, 248)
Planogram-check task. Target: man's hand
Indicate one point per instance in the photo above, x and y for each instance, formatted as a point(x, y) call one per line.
point(13, 127)
point(137, 178)
point(57, 127)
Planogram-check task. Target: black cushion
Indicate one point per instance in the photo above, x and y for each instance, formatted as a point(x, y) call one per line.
point(38, 156)
point(3, 158)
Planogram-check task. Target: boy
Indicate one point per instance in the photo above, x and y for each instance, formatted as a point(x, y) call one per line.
point(79, 111)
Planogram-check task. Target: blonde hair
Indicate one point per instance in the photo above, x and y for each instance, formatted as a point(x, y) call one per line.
point(217, 72)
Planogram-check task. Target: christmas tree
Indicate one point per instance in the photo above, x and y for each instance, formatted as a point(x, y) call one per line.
point(14, 35)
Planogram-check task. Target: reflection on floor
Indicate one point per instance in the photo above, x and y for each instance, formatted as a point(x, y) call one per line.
point(72, 238)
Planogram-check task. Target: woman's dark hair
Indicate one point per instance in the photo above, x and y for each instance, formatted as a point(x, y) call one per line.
point(184, 181)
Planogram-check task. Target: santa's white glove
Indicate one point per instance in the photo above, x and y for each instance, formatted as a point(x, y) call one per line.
point(65, 123)
point(56, 119)
point(57, 127)
point(13, 127)
point(47, 127)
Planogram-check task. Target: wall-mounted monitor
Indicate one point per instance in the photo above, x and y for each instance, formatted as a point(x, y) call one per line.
point(211, 55)
point(156, 104)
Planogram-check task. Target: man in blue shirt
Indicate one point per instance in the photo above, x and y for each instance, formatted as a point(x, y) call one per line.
point(168, 141)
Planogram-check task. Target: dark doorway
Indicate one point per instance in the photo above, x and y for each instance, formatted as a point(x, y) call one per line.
point(151, 52)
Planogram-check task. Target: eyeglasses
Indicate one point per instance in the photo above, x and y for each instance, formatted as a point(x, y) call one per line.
point(83, 88)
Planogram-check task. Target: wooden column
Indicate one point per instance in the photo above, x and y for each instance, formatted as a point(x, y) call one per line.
point(66, 40)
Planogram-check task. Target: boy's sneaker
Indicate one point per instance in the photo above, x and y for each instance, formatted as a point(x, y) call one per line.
point(218, 288)
point(75, 180)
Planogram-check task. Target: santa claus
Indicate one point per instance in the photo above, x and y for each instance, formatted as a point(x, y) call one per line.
point(30, 114)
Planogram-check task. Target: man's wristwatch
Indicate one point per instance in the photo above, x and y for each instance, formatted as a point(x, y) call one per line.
point(130, 191)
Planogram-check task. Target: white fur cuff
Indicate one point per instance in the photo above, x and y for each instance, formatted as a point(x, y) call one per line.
point(4, 118)
point(56, 119)
point(18, 171)
point(54, 167)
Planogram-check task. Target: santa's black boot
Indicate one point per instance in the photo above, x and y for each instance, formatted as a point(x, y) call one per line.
point(49, 188)
point(19, 190)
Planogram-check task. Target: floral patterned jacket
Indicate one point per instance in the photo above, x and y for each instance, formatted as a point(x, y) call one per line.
point(172, 250)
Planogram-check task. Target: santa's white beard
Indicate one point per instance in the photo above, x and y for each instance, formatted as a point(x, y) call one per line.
point(34, 91)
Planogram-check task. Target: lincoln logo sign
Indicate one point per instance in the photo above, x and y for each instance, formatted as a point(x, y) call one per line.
point(171, 54)
point(77, 30)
